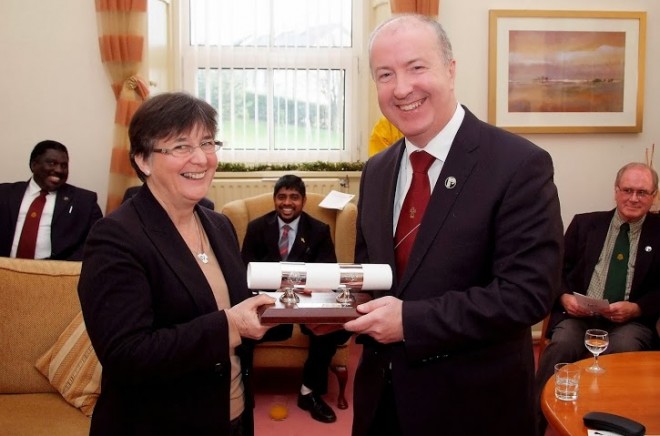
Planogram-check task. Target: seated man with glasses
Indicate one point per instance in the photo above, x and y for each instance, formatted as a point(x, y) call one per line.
point(613, 255)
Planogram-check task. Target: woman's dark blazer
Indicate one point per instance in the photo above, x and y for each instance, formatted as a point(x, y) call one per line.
point(155, 325)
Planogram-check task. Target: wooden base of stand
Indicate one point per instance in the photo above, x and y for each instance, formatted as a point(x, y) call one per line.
point(318, 307)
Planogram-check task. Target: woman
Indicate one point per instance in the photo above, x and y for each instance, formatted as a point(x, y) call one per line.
point(163, 289)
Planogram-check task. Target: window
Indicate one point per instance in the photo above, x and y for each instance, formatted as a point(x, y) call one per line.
point(283, 75)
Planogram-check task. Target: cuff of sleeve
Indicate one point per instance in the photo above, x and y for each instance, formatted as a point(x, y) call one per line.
point(234, 336)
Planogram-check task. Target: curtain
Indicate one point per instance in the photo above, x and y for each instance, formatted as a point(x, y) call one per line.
point(656, 201)
point(424, 7)
point(122, 27)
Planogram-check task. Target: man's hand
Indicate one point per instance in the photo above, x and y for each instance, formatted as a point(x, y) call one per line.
point(572, 307)
point(622, 311)
point(382, 320)
point(245, 318)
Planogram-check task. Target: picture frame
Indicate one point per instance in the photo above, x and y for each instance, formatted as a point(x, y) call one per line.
point(566, 71)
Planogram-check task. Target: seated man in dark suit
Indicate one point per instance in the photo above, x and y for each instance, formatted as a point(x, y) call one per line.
point(304, 240)
point(592, 248)
point(45, 217)
point(130, 192)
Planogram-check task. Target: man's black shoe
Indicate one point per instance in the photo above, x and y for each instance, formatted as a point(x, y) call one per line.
point(318, 408)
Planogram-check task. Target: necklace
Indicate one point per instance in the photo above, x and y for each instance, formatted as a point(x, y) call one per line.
point(202, 253)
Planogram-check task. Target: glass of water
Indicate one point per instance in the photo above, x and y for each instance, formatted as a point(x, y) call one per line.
point(567, 380)
point(596, 341)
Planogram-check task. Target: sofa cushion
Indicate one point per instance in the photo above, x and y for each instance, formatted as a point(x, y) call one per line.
point(72, 367)
point(38, 299)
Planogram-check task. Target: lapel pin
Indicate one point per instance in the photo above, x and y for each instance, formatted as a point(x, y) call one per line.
point(303, 240)
point(648, 249)
point(450, 182)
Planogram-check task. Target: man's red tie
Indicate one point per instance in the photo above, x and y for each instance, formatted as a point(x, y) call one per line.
point(412, 211)
point(28, 241)
point(284, 242)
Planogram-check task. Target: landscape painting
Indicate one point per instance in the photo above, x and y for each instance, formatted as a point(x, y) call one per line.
point(566, 71)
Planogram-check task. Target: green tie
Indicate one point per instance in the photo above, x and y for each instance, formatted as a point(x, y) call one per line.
point(615, 285)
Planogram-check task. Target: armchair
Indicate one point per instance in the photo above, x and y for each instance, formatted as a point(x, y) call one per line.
point(292, 352)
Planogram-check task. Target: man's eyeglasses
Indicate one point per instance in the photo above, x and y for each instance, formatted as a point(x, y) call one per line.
point(641, 193)
point(208, 147)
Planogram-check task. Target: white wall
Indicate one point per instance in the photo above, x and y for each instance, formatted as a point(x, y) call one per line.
point(53, 86)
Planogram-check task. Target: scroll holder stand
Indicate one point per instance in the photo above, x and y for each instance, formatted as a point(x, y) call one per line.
point(289, 297)
point(345, 298)
point(293, 280)
point(306, 290)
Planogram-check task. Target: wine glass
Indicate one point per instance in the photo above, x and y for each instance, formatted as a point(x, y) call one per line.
point(596, 341)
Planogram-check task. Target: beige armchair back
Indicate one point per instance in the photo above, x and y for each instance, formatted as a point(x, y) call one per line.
point(341, 222)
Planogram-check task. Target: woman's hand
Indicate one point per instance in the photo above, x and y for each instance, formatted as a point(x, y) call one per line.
point(245, 317)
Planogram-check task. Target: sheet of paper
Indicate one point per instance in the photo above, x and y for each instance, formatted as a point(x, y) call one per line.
point(591, 304)
point(336, 200)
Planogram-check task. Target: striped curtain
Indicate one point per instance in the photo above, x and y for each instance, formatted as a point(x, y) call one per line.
point(122, 27)
point(424, 7)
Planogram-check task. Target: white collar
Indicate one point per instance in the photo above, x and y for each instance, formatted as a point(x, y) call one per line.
point(439, 145)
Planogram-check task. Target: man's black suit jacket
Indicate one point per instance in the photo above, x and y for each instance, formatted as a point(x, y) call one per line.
point(76, 210)
point(583, 244)
point(313, 242)
point(485, 267)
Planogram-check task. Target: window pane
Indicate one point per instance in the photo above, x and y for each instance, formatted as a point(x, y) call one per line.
point(304, 107)
point(271, 23)
point(283, 75)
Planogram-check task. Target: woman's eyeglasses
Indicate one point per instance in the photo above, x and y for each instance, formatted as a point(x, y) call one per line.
point(208, 147)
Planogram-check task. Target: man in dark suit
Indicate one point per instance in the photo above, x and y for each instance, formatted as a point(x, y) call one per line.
point(67, 216)
point(590, 241)
point(306, 240)
point(448, 349)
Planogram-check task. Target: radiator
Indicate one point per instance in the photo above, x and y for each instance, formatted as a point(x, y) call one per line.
point(225, 190)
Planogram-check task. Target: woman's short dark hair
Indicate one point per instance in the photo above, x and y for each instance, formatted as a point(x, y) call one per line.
point(164, 116)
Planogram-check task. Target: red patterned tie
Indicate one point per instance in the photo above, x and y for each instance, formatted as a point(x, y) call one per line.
point(284, 242)
point(412, 211)
point(28, 241)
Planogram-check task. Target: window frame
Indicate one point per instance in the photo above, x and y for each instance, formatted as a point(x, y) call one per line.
point(356, 80)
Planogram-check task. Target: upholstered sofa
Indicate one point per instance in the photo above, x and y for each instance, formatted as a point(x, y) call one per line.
point(38, 301)
point(292, 353)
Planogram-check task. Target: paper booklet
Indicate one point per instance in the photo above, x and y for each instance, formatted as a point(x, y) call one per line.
point(594, 305)
point(336, 200)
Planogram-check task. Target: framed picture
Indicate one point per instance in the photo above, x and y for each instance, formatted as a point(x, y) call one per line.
point(566, 71)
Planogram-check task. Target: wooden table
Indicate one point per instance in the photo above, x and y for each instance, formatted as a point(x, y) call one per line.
point(630, 386)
